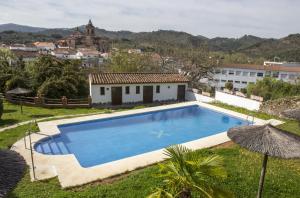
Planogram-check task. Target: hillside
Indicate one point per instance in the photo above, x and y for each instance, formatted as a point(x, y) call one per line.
point(19, 28)
point(287, 48)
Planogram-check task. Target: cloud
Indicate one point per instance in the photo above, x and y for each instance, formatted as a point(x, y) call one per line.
point(226, 18)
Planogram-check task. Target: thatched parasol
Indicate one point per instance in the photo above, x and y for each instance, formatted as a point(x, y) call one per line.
point(268, 140)
point(12, 168)
point(19, 91)
point(292, 113)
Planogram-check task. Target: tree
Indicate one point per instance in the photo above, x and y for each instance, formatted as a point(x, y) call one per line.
point(229, 86)
point(196, 64)
point(6, 57)
point(189, 172)
point(1, 105)
point(132, 62)
point(55, 78)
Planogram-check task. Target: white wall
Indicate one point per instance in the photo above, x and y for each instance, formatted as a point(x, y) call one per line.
point(168, 91)
point(237, 101)
point(191, 96)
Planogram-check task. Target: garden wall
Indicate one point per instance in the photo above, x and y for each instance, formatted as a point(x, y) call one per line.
point(192, 96)
point(237, 101)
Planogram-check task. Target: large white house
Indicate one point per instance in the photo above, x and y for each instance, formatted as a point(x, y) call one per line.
point(119, 88)
point(240, 75)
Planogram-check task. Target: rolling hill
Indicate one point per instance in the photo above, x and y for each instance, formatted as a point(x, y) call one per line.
point(287, 48)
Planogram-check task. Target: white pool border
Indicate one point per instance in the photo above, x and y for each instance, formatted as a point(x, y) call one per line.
point(68, 169)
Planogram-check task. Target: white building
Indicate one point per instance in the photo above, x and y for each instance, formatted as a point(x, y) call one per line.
point(240, 75)
point(63, 53)
point(119, 88)
point(45, 46)
point(23, 47)
point(89, 57)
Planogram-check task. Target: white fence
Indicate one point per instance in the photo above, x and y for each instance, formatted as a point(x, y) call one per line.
point(237, 101)
point(191, 96)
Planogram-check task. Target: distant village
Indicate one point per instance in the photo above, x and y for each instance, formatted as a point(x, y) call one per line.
point(85, 46)
point(93, 51)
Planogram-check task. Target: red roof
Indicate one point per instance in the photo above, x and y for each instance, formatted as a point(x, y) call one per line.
point(137, 78)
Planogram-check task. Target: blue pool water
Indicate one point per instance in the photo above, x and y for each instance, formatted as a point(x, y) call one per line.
point(105, 140)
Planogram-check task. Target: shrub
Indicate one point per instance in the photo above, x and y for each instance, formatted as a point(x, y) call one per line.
point(229, 86)
point(1, 105)
point(271, 89)
point(244, 90)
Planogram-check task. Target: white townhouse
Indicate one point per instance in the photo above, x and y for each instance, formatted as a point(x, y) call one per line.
point(89, 57)
point(45, 46)
point(23, 47)
point(240, 75)
point(63, 53)
point(120, 88)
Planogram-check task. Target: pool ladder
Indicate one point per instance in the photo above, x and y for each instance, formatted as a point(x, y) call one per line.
point(248, 118)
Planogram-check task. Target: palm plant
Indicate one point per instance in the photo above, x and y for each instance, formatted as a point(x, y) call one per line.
point(188, 171)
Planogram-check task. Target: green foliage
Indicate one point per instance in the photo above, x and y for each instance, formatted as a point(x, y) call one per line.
point(1, 105)
point(189, 172)
point(17, 81)
point(132, 62)
point(270, 89)
point(229, 86)
point(48, 76)
point(244, 90)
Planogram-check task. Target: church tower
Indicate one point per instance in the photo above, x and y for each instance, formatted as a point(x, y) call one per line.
point(90, 29)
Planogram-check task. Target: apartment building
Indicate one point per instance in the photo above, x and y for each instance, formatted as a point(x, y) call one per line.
point(240, 75)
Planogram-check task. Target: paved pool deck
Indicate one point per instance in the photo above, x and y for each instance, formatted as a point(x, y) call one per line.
point(68, 169)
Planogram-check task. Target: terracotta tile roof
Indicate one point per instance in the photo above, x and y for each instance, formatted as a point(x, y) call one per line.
point(262, 67)
point(25, 54)
point(137, 78)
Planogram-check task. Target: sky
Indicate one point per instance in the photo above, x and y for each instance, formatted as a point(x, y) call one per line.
point(210, 18)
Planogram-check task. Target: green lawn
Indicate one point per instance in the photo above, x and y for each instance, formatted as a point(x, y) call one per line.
point(12, 113)
point(282, 179)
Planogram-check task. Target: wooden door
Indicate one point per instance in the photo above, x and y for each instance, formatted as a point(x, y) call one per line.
point(148, 94)
point(116, 95)
point(181, 92)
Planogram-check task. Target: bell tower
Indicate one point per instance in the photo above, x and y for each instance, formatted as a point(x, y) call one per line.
point(90, 29)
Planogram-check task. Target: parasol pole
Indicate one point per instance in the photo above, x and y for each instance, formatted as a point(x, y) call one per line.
point(262, 176)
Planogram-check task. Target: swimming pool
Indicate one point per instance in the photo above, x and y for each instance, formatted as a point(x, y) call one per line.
point(105, 140)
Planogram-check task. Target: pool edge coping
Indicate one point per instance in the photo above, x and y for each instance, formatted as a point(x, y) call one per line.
point(48, 166)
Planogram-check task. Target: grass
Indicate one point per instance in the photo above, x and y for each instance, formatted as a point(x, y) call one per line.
point(282, 179)
point(12, 113)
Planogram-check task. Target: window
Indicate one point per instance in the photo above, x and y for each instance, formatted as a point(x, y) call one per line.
point(231, 81)
point(245, 73)
point(224, 72)
point(275, 74)
point(217, 71)
point(252, 74)
point(127, 89)
point(137, 89)
point(238, 82)
point(238, 73)
point(157, 89)
point(283, 75)
point(102, 91)
point(216, 80)
point(292, 76)
point(223, 80)
point(244, 82)
point(260, 74)
point(231, 72)
point(267, 74)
